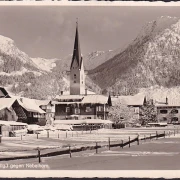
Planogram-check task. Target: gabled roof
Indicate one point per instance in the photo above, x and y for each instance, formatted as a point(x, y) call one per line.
point(30, 105)
point(136, 100)
point(172, 101)
point(77, 50)
point(6, 103)
point(3, 92)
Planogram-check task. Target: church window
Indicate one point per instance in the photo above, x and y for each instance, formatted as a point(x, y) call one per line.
point(174, 111)
point(88, 109)
point(163, 111)
point(67, 109)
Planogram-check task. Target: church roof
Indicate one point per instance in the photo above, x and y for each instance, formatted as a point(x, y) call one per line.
point(84, 99)
point(77, 50)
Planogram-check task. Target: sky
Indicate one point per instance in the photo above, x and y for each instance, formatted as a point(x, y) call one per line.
point(48, 31)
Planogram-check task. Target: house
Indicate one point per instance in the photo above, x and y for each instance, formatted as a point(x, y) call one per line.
point(81, 107)
point(26, 109)
point(80, 103)
point(168, 109)
point(134, 103)
point(48, 107)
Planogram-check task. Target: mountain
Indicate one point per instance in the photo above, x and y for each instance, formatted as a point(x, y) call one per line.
point(92, 59)
point(30, 77)
point(34, 77)
point(152, 59)
point(45, 64)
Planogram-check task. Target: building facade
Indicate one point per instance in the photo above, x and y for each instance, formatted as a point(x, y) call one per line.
point(79, 104)
point(168, 111)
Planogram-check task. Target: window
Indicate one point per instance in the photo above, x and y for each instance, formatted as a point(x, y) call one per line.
point(76, 111)
point(82, 82)
point(174, 119)
point(74, 76)
point(174, 111)
point(164, 119)
point(88, 109)
point(67, 109)
point(100, 108)
point(163, 111)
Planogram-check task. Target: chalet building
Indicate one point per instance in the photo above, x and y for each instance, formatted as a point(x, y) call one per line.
point(82, 107)
point(79, 104)
point(134, 104)
point(168, 110)
point(26, 110)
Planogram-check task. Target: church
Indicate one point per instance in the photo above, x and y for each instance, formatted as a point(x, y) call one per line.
point(79, 104)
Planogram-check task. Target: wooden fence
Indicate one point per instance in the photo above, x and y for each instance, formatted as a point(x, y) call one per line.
point(97, 146)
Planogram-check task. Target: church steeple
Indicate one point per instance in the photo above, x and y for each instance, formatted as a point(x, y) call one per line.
point(77, 50)
point(77, 75)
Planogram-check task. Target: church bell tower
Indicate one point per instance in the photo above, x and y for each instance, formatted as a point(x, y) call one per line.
point(77, 75)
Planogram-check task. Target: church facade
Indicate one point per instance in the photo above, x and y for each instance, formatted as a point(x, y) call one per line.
point(79, 104)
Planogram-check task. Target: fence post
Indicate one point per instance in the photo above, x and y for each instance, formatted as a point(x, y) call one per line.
point(122, 143)
point(47, 133)
point(70, 151)
point(138, 140)
point(39, 155)
point(129, 142)
point(164, 134)
point(96, 147)
point(37, 136)
point(156, 135)
point(109, 142)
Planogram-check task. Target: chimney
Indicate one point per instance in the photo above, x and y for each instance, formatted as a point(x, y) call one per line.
point(166, 100)
point(21, 99)
point(85, 92)
point(61, 92)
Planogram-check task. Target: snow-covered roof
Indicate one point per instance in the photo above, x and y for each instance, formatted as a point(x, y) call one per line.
point(6, 102)
point(42, 102)
point(30, 105)
point(69, 97)
point(95, 99)
point(136, 100)
point(12, 123)
point(85, 121)
point(172, 101)
point(84, 99)
point(68, 93)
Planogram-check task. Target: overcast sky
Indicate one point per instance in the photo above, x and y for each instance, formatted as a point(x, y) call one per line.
point(48, 32)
